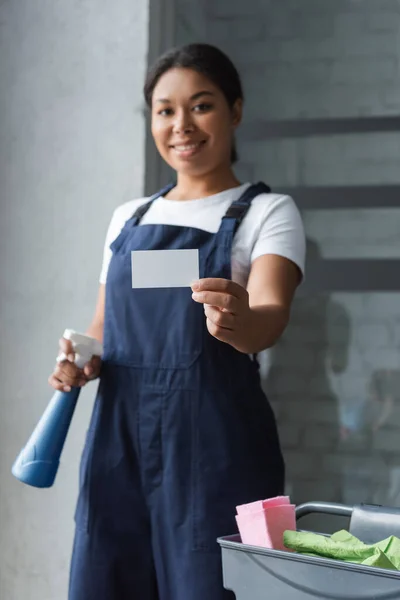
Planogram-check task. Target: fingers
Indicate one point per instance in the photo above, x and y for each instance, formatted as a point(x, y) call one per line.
point(220, 324)
point(67, 375)
point(222, 320)
point(227, 309)
point(67, 348)
point(92, 368)
point(227, 295)
point(57, 384)
point(223, 301)
point(216, 284)
point(220, 333)
point(69, 372)
point(88, 370)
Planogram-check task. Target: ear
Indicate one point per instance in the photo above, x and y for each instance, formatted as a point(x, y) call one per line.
point(237, 112)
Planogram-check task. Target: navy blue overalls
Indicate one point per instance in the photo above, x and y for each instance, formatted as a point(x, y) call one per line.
point(181, 432)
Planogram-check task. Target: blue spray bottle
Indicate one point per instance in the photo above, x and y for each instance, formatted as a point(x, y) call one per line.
point(38, 462)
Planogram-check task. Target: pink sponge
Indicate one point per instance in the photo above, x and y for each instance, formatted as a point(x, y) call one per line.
point(260, 504)
point(263, 523)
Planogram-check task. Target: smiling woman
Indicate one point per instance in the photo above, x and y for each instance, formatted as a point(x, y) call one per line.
point(193, 132)
point(222, 94)
point(181, 432)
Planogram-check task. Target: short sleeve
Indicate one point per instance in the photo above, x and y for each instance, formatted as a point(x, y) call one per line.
point(282, 233)
point(114, 229)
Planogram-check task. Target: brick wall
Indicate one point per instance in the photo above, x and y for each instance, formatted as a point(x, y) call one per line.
point(332, 379)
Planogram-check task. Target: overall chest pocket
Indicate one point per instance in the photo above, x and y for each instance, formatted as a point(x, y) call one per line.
point(159, 327)
point(150, 328)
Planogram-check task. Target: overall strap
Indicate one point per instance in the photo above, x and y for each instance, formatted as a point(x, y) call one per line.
point(238, 209)
point(136, 217)
point(143, 208)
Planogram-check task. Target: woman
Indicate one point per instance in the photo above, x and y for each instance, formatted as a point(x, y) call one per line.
point(181, 432)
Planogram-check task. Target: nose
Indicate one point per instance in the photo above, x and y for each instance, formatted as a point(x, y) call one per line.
point(183, 122)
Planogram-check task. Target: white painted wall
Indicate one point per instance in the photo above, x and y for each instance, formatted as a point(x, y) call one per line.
point(72, 147)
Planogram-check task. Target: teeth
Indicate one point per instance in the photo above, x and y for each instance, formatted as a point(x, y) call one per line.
point(187, 147)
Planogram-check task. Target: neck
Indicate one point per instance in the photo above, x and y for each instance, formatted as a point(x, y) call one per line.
point(190, 187)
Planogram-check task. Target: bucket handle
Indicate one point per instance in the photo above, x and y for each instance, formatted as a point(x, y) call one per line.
point(327, 508)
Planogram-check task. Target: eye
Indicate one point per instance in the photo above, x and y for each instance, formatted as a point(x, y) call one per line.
point(203, 107)
point(165, 112)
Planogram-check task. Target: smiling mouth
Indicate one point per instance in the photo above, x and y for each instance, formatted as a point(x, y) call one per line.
point(188, 149)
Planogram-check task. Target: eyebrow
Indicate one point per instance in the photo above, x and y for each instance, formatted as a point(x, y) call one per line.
point(194, 97)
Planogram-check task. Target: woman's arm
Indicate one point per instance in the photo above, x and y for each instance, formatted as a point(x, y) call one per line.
point(271, 287)
point(251, 319)
point(96, 327)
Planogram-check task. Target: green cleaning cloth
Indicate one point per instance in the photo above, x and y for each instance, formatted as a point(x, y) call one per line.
point(344, 546)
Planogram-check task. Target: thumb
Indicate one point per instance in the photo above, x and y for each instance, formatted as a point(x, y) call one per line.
point(92, 368)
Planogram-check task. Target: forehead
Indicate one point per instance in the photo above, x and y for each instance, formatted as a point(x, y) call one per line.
point(182, 83)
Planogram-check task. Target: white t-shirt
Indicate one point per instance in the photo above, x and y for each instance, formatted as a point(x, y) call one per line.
point(272, 225)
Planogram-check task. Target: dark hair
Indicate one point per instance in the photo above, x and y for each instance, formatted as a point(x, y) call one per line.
point(205, 59)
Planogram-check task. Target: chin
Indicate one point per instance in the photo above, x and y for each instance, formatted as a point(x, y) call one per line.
point(193, 170)
point(191, 167)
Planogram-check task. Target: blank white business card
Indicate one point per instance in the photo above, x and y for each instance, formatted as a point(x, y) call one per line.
point(164, 268)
